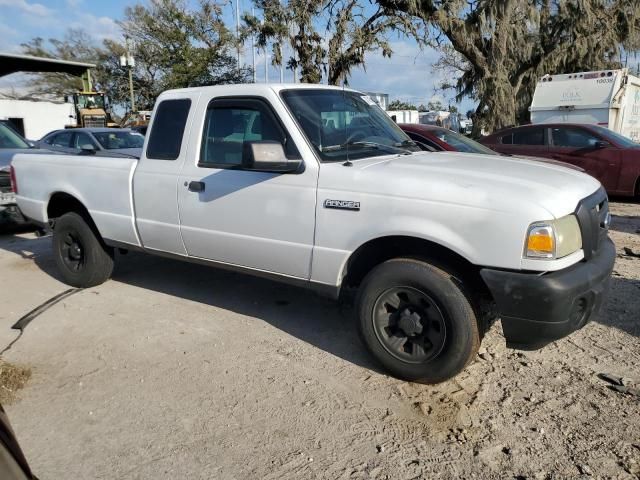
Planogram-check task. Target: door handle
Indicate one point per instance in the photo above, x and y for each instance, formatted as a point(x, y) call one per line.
point(196, 186)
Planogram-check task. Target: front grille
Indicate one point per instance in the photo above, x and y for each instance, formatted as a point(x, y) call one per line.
point(94, 122)
point(5, 182)
point(592, 213)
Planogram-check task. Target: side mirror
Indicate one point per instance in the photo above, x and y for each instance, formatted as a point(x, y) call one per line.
point(601, 144)
point(87, 149)
point(267, 156)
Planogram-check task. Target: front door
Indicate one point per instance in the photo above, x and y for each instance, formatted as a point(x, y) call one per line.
point(260, 220)
point(580, 147)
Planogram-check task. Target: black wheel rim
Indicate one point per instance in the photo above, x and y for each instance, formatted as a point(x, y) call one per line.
point(72, 252)
point(409, 324)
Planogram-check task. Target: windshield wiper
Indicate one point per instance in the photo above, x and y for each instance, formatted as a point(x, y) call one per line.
point(406, 143)
point(377, 146)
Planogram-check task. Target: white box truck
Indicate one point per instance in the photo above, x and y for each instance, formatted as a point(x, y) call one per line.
point(610, 98)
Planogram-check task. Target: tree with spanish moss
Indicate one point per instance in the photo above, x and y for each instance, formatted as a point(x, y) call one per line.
point(499, 48)
point(327, 38)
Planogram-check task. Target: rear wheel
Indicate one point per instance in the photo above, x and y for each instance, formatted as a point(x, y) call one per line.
point(81, 257)
point(417, 321)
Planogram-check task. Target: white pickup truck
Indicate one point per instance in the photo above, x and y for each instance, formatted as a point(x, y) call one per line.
point(317, 186)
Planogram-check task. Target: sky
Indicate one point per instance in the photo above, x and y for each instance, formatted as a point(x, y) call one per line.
point(406, 76)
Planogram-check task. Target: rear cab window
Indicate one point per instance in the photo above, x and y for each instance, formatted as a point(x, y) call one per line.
point(167, 131)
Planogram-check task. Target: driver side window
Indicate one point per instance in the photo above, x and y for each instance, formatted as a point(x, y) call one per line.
point(231, 123)
point(62, 140)
point(572, 138)
point(81, 140)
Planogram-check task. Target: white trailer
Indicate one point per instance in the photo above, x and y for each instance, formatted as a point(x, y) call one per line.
point(36, 118)
point(404, 116)
point(610, 98)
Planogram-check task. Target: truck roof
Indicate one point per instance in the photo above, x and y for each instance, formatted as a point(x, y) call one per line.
point(254, 88)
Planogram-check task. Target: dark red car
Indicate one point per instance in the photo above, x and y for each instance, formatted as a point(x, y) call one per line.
point(441, 139)
point(611, 158)
point(438, 139)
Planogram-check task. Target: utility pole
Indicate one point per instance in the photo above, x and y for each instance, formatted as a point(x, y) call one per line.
point(127, 61)
point(238, 30)
point(282, 57)
point(253, 50)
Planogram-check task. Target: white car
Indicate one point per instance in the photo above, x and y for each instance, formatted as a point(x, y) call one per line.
point(317, 186)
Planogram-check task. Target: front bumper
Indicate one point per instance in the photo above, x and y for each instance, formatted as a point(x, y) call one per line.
point(537, 309)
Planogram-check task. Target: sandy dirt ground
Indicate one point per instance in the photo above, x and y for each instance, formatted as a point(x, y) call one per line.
point(173, 370)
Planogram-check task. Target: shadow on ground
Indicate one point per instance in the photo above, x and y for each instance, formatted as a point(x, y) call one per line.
point(626, 223)
point(318, 321)
point(622, 309)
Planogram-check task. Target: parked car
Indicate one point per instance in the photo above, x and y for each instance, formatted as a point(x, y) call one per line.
point(317, 186)
point(430, 137)
point(608, 156)
point(141, 129)
point(439, 139)
point(11, 143)
point(101, 141)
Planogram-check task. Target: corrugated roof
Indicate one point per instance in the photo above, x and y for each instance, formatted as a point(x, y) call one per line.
point(12, 63)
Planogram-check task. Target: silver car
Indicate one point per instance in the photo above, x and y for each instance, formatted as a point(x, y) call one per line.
point(98, 141)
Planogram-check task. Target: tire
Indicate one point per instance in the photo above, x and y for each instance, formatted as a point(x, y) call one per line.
point(416, 321)
point(80, 255)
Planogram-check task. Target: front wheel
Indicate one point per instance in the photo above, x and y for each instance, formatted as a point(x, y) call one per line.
point(81, 257)
point(416, 320)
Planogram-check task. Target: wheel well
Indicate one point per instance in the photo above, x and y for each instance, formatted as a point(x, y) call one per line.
point(379, 250)
point(61, 203)
point(637, 189)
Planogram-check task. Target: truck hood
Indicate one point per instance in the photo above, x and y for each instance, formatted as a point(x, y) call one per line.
point(490, 182)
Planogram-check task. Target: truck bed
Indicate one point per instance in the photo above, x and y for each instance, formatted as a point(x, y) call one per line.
point(102, 184)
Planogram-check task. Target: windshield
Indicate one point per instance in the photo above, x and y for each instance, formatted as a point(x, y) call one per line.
point(462, 143)
point(616, 137)
point(10, 138)
point(345, 125)
point(114, 140)
point(90, 101)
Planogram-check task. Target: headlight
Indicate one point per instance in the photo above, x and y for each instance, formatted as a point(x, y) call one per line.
point(553, 239)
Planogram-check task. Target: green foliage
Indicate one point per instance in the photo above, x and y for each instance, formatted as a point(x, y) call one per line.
point(329, 37)
point(435, 106)
point(499, 48)
point(400, 105)
point(173, 46)
point(187, 48)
